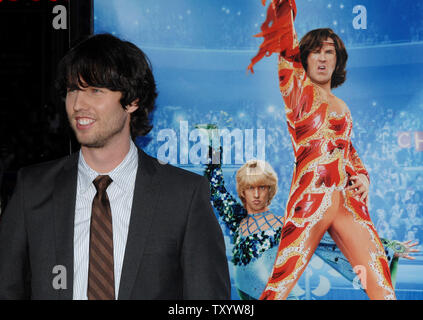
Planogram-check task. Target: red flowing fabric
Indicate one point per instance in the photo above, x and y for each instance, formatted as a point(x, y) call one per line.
point(277, 31)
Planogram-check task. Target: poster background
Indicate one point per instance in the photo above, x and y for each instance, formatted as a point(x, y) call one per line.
point(200, 50)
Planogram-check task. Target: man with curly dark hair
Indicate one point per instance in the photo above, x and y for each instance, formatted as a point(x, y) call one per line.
point(110, 221)
point(330, 185)
point(311, 45)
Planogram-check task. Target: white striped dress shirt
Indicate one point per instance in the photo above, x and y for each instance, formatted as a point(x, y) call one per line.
point(120, 193)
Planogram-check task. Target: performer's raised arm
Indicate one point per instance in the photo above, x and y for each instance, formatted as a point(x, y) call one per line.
point(230, 210)
point(280, 37)
point(279, 34)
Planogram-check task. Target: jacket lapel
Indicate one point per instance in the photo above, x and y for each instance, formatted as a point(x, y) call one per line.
point(64, 197)
point(145, 197)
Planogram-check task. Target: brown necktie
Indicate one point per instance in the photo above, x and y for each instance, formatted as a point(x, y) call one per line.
point(101, 280)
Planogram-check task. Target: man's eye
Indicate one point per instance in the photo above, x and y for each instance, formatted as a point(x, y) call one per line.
point(96, 90)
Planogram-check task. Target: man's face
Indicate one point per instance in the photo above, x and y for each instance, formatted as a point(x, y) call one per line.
point(321, 63)
point(97, 117)
point(256, 198)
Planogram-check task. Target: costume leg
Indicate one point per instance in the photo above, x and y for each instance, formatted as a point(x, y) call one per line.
point(357, 239)
point(299, 240)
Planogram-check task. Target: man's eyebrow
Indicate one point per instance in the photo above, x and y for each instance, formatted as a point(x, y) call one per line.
point(328, 43)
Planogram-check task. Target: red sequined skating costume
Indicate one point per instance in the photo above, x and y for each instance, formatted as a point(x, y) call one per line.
point(325, 160)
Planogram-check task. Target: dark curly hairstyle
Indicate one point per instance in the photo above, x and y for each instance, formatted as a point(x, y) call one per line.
point(313, 40)
point(105, 61)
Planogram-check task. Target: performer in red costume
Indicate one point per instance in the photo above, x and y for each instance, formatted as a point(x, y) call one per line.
point(330, 183)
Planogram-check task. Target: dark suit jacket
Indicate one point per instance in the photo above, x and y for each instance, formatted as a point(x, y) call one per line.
point(174, 250)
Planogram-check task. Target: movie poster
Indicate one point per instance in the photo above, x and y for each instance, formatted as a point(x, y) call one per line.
point(200, 51)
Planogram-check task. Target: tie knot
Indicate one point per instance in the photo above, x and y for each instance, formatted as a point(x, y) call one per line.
point(102, 182)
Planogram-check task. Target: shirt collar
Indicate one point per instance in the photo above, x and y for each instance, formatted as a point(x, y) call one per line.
point(121, 175)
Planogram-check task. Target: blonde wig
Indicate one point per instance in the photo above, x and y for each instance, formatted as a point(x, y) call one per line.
point(256, 173)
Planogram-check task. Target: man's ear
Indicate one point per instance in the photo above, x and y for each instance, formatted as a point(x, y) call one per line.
point(132, 106)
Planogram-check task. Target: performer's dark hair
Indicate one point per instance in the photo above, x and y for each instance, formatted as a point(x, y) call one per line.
point(105, 61)
point(314, 40)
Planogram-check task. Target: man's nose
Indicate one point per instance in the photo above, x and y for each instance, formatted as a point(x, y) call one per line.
point(256, 192)
point(78, 101)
